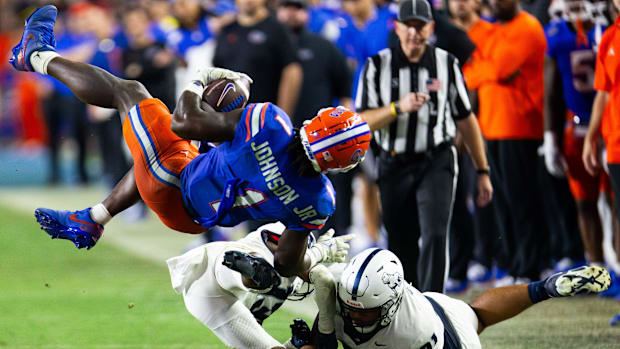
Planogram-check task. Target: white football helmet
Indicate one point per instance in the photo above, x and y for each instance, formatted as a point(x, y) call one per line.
point(370, 290)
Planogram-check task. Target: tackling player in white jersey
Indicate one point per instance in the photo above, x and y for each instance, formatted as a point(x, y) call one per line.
point(234, 306)
point(375, 307)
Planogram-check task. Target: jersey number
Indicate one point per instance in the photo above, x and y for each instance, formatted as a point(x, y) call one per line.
point(250, 197)
point(582, 67)
point(428, 345)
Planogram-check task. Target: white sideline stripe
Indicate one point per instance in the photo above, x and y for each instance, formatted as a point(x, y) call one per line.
point(150, 150)
point(363, 128)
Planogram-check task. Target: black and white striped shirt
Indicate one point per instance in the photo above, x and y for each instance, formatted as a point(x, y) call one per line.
point(389, 76)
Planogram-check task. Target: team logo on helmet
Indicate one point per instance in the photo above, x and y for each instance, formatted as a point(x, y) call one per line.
point(393, 280)
point(357, 156)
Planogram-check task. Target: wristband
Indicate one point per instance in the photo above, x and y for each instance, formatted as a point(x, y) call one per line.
point(395, 108)
point(195, 87)
point(485, 171)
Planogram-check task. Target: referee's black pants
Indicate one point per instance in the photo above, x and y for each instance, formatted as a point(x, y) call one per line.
point(417, 195)
point(518, 200)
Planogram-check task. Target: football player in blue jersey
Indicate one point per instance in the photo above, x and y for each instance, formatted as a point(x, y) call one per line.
point(263, 169)
point(569, 94)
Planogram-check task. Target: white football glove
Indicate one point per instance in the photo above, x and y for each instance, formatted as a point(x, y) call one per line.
point(330, 249)
point(208, 74)
point(554, 160)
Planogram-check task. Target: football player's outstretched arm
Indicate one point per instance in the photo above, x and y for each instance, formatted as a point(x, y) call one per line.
point(292, 257)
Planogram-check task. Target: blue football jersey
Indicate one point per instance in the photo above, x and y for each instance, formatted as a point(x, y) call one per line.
point(252, 177)
point(575, 62)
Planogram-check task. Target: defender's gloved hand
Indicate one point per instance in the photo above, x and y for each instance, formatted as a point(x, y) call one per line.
point(300, 334)
point(329, 249)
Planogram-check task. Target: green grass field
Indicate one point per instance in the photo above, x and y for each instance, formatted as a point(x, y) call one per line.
point(54, 296)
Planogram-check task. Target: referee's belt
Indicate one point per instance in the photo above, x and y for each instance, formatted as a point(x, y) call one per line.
point(413, 157)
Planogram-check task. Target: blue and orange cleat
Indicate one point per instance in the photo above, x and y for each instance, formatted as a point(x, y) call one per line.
point(38, 36)
point(76, 226)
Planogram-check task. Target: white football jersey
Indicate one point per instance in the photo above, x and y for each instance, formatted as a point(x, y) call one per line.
point(415, 326)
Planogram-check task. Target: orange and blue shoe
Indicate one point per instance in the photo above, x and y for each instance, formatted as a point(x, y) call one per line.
point(38, 36)
point(76, 226)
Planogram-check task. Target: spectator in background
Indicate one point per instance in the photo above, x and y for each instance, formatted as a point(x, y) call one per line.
point(62, 108)
point(450, 37)
point(146, 60)
point(366, 31)
point(605, 117)
point(193, 30)
point(106, 122)
point(193, 41)
point(415, 93)
point(569, 94)
point(258, 45)
point(326, 78)
point(468, 241)
point(510, 92)
point(160, 12)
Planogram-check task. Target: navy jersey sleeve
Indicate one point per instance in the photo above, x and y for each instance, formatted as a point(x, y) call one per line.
point(259, 118)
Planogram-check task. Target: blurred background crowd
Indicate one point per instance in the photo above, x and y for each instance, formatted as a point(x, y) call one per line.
point(303, 55)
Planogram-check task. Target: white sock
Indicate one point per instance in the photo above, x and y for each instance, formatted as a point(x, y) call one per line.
point(100, 214)
point(40, 59)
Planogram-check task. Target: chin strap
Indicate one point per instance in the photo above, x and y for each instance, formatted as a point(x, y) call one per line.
point(306, 144)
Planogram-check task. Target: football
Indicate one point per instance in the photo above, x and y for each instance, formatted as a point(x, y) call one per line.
point(225, 95)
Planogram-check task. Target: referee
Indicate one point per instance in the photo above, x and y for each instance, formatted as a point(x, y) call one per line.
point(414, 97)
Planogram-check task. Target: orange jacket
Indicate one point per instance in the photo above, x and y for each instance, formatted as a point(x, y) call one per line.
point(607, 78)
point(510, 76)
point(478, 33)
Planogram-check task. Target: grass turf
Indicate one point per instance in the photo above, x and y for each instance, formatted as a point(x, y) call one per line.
point(55, 296)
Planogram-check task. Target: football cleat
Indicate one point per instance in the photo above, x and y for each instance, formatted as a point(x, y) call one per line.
point(76, 226)
point(587, 279)
point(613, 290)
point(38, 36)
point(615, 321)
point(257, 269)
